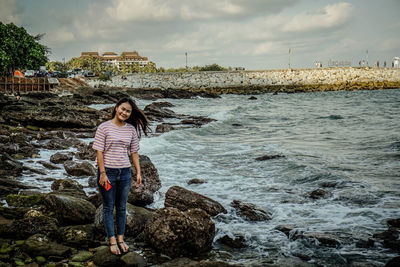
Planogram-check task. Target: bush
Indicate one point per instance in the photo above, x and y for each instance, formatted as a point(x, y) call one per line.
point(104, 77)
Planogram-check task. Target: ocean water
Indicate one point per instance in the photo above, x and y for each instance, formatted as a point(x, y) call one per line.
point(346, 143)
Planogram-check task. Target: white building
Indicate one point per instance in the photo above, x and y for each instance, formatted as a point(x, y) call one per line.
point(396, 62)
point(112, 58)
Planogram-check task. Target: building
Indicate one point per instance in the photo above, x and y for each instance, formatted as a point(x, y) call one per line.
point(112, 58)
point(396, 62)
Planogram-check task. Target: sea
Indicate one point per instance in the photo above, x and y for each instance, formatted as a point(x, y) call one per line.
point(346, 143)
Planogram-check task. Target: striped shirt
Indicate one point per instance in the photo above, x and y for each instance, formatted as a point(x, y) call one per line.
point(116, 142)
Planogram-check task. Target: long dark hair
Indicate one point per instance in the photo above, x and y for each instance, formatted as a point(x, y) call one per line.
point(137, 117)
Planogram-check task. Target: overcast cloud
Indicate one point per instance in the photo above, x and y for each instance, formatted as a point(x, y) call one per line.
point(255, 34)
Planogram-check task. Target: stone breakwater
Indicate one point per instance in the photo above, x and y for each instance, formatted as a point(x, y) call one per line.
point(250, 82)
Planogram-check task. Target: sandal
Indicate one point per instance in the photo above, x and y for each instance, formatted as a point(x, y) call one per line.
point(115, 251)
point(124, 247)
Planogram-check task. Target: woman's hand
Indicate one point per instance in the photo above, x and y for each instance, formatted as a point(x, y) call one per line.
point(103, 179)
point(138, 180)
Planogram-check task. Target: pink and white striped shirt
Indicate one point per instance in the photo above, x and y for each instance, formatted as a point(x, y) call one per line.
point(116, 142)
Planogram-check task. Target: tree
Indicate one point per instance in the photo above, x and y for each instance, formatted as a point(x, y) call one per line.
point(212, 67)
point(19, 49)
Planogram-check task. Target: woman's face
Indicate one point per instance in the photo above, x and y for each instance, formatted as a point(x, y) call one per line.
point(123, 111)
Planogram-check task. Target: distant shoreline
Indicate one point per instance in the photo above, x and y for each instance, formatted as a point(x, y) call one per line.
point(253, 82)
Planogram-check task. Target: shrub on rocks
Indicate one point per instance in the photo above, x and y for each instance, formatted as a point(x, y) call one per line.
point(184, 199)
point(70, 210)
point(175, 233)
point(143, 195)
point(250, 211)
point(84, 168)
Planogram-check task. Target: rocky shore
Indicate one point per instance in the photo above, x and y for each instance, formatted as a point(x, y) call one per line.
point(63, 225)
point(255, 82)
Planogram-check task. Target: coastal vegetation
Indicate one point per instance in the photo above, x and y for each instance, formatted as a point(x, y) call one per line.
point(19, 49)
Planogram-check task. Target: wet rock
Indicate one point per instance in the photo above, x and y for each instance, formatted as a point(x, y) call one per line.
point(238, 241)
point(285, 229)
point(60, 157)
point(82, 236)
point(365, 243)
point(25, 201)
point(186, 262)
point(86, 152)
point(390, 238)
point(143, 195)
point(40, 244)
point(250, 211)
point(84, 168)
point(237, 124)
point(133, 259)
point(68, 187)
point(318, 194)
point(48, 165)
point(104, 258)
point(394, 222)
point(82, 256)
point(158, 111)
point(59, 144)
point(164, 127)
point(290, 262)
point(324, 239)
point(10, 186)
point(23, 228)
point(184, 199)
point(13, 212)
point(196, 181)
point(70, 210)
point(176, 233)
point(136, 219)
point(9, 166)
point(252, 98)
point(269, 157)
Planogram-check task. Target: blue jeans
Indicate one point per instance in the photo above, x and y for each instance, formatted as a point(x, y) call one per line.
point(120, 179)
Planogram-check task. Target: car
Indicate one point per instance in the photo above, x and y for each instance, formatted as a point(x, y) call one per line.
point(89, 73)
point(29, 73)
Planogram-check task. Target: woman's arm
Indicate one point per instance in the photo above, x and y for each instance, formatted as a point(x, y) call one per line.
point(100, 163)
point(136, 163)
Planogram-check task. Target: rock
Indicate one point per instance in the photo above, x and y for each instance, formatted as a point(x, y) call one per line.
point(268, 157)
point(13, 212)
point(70, 210)
point(237, 124)
point(285, 229)
point(84, 168)
point(252, 98)
point(104, 258)
point(82, 256)
point(143, 195)
point(133, 259)
point(25, 201)
point(86, 152)
point(9, 166)
point(40, 244)
point(164, 127)
point(10, 186)
point(318, 194)
point(324, 239)
point(390, 238)
point(60, 157)
point(184, 199)
point(49, 165)
point(250, 211)
point(186, 262)
point(136, 219)
point(394, 222)
point(238, 241)
point(82, 236)
point(196, 181)
point(68, 187)
point(23, 228)
point(157, 111)
point(177, 233)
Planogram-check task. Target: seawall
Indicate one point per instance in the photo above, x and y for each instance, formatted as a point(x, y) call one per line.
point(250, 82)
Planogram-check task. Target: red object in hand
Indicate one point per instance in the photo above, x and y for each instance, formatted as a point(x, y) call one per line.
point(107, 186)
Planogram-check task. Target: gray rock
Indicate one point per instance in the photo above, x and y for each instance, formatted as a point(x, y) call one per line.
point(60, 157)
point(48, 165)
point(23, 228)
point(104, 258)
point(324, 239)
point(164, 127)
point(133, 259)
point(82, 236)
point(196, 181)
point(250, 211)
point(184, 199)
point(176, 233)
point(40, 244)
point(84, 168)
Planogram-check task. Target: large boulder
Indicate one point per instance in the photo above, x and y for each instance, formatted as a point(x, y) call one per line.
point(250, 211)
point(143, 195)
point(78, 235)
point(21, 200)
point(184, 199)
point(70, 210)
point(68, 187)
point(86, 152)
point(60, 157)
point(136, 219)
point(40, 244)
point(9, 166)
point(10, 186)
point(84, 168)
point(23, 228)
point(175, 233)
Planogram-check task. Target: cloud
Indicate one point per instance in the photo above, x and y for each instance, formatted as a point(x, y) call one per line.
point(59, 36)
point(10, 12)
point(327, 17)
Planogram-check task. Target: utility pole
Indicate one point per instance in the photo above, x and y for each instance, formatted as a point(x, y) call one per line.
point(186, 60)
point(367, 57)
point(289, 57)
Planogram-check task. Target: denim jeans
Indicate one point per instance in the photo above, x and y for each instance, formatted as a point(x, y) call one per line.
point(120, 179)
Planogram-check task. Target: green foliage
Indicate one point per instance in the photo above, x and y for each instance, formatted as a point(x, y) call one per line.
point(56, 66)
point(212, 67)
point(19, 49)
point(104, 77)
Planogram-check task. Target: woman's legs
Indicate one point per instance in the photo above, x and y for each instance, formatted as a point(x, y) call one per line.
point(122, 192)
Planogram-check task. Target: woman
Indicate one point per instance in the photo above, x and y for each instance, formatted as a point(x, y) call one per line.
point(114, 141)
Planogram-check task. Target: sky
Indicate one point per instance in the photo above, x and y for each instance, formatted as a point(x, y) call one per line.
point(254, 34)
